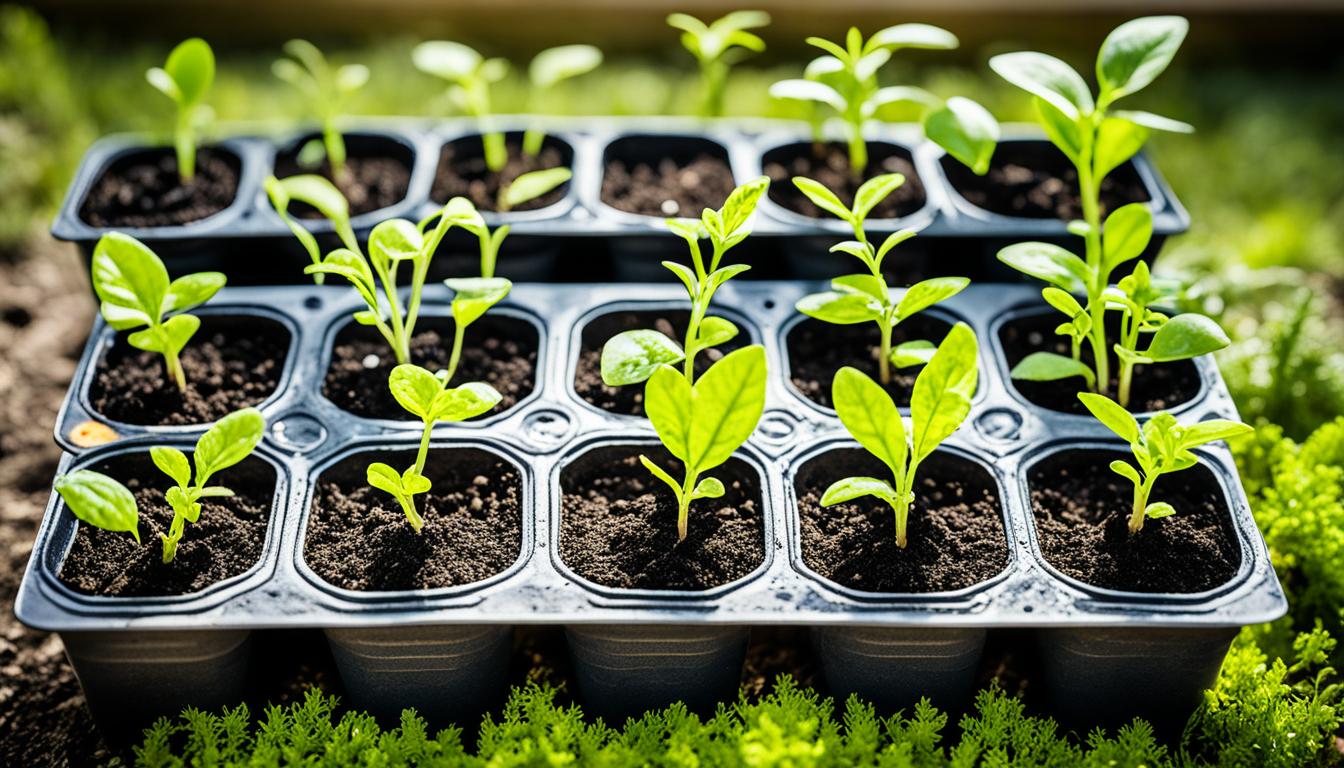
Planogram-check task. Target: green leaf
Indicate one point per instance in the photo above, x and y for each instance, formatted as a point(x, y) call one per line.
point(728, 402)
point(893, 240)
point(474, 296)
point(415, 389)
point(723, 274)
point(384, 478)
point(1047, 77)
point(872, 192)
point(172, 463)
point(350, 265)
point(661, 474)
point(861, 251)
point(1126, 234)
point(1185, 336)
point(395, 240)
point(1117, 141)
point(1110, 414)
point(413, 482)
point(870, 417)
point(840, 308)
point(715, 331)
point(1136, 52)
point(898, 93)
point(865, 284)
point(449, 60)
point(1211, 431)
point(228, 442)
point(808, 90)
point(1063, 131)
point(1062, 300)
point(562, 63)
point(966, 130)
point(667, 401)
point(741, 204)
point(191, 290)
point(926, 293)
point(314, 190)
point(852, 488)
point(924, 36)
point(822, 197)
point(1127, 471)
point(100, 501)
point(708, 488)
point(1048, 366)
point(169, 338)
point(130, 280)
point(465, 401)
point(1154, 122)
point(1158, 509)
point(630, 357)
point(530, 186)
point(911, 353)
point(1051, 263)
point(191, 65)
point(942, 396)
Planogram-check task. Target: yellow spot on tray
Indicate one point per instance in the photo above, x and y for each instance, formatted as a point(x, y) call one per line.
point(91, 433)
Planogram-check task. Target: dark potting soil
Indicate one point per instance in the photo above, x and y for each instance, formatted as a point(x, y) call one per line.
point(232, 362)
point(667, 188)
point(629, 399)
point(358, 537)
point(817, 350)
point(500, 351)
point(142, 189)
point(618, 523)
point(1082, 512)
point(955, 535)
point(1154, 387)
point(377, 174)
point(829, 164)
point(1033, 179)
point(224, 542)
point(462, 172)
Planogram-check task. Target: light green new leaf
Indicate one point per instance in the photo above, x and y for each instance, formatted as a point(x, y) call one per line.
point(942, 396)
point(808, 90)
point(228, 442)
point(1126, 234)
point(395, 240)
point(466, 401)
point(822, 197)
point(415, 389)
point(852, 488)
point(715, 331)
point(384, 478)
point(708, 488)
point(924, 36)
point(893, 240)
point(870, 417)
point(840, 308)
point(530, 186)
point(191, 290)
point(100, 501)
point(169, 338)
point(1118, 140)
point(1062, 300)
point(1127, 471)
point(172, 463)
point(865, 284)
point(1063, 131)
point(474, 296)
point(667, 401)
point(1116, 419)
point(1155, 122)
point(661, 474)
point(1136, 52)
point(1048, 366)
point(446, 59)
point(874, 191)
point(966, 130)
point(728, 402)
point(562, 63)
point(1185, 336)
point(1048, 262)
point(630, 357)
point(190, 68)
point(1158, 509)
point(741, 204)
point(1046, 77)
point(912, 353)
point(130, 280)
point(926, 293)
point(1211, 431)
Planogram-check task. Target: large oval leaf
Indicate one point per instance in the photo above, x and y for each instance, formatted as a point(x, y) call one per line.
point(1048, 262)
point(667, 401)
point(942, 396)
point(415, 389)
point(1185, 336)
point(727, 404)
point(191, 65)
point(561, 63)
point(228, 442)
point(840, 308)
point(966, 130)
point(130, 280)
point(99, 501)
point(871, 418)
point(630, 357)
point(1136, 52)
point(1048, 78)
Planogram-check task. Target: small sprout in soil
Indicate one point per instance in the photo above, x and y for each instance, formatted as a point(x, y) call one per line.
point(1160, 446)
point(1097, 139)
point(939, 405)
point(133, 288)
point(100, 501)
point(717, 47)
point(470, 76)
point(530, 186)
point(185, 78)
point(867, 298)
point(845, 79)
point(547, 68)
point(699, 422)
point(326, 89)
point(426, 396)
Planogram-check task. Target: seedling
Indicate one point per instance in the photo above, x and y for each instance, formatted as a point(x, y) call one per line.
point(426, 396)
point(845, 79)
point(185, 78)
point(1160, 446)
point(940, 403)
point(530, 186)
point(105, 503)
point(326, 89)
point(867, 298)
point(470, 76)
point(717, 47)
point(320, 194)
point(548, 68)
point(1097, 139)
point(134, 291)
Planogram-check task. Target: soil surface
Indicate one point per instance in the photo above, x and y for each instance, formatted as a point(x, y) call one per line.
point(618, 523)
point(500, 351)
point(1082, 511)
point(377, 174)
point(226, 541)
point(462, 172)
point(829, 164)
point(358, 537)
point(667, 186)
point(629, 399)
point(1155, 387)
point(1033, 179)
point(955, 535)
point(817, 350)
point(232, 362)
point(143, 189)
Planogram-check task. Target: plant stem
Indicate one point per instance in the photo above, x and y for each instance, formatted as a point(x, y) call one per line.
point(424, 448)
point(858, 151)
point(684, 505)
point(175, 372)
point(713, 75)
point(335, 144)
point(1141, 492)
point(459, 331)
point(184, 144)
point(1090, 192)
point(884, 357)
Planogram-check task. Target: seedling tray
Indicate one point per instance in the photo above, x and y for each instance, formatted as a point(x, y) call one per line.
point(584, 238)
point(1098, 645)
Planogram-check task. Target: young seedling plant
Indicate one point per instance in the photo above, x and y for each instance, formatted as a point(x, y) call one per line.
point(1098, 138)
point(326, 89)
point(428, 397)
point(700, 422)
point(185, 78)
point(717, 47)
point(134, 292)
point(940, 403)
point(547, 69)
point(470, 76)
point(105, 503)
point(1160, 446)
point(845, 79)
point(863, 298)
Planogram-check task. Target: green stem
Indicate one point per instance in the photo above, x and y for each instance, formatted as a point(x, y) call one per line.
point(713, 75)
point(401, 346)
point(335, 144)
point(858, 151)
point(184, 143)
point(684, 505)
point(1090, 192)
point(175, 372)
point(1141, 492)
point(459, 331)
point(884, 358)
point(424, 448)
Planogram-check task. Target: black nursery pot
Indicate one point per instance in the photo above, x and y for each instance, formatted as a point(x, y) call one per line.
point(635, 645)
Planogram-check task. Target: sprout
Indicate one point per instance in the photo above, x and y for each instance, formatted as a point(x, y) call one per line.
point(326, 89)
point(717, 47)
point(185, 78)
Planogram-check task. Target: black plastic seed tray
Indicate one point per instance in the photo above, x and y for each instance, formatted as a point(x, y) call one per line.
point(582, 238)
point(1101, 649)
